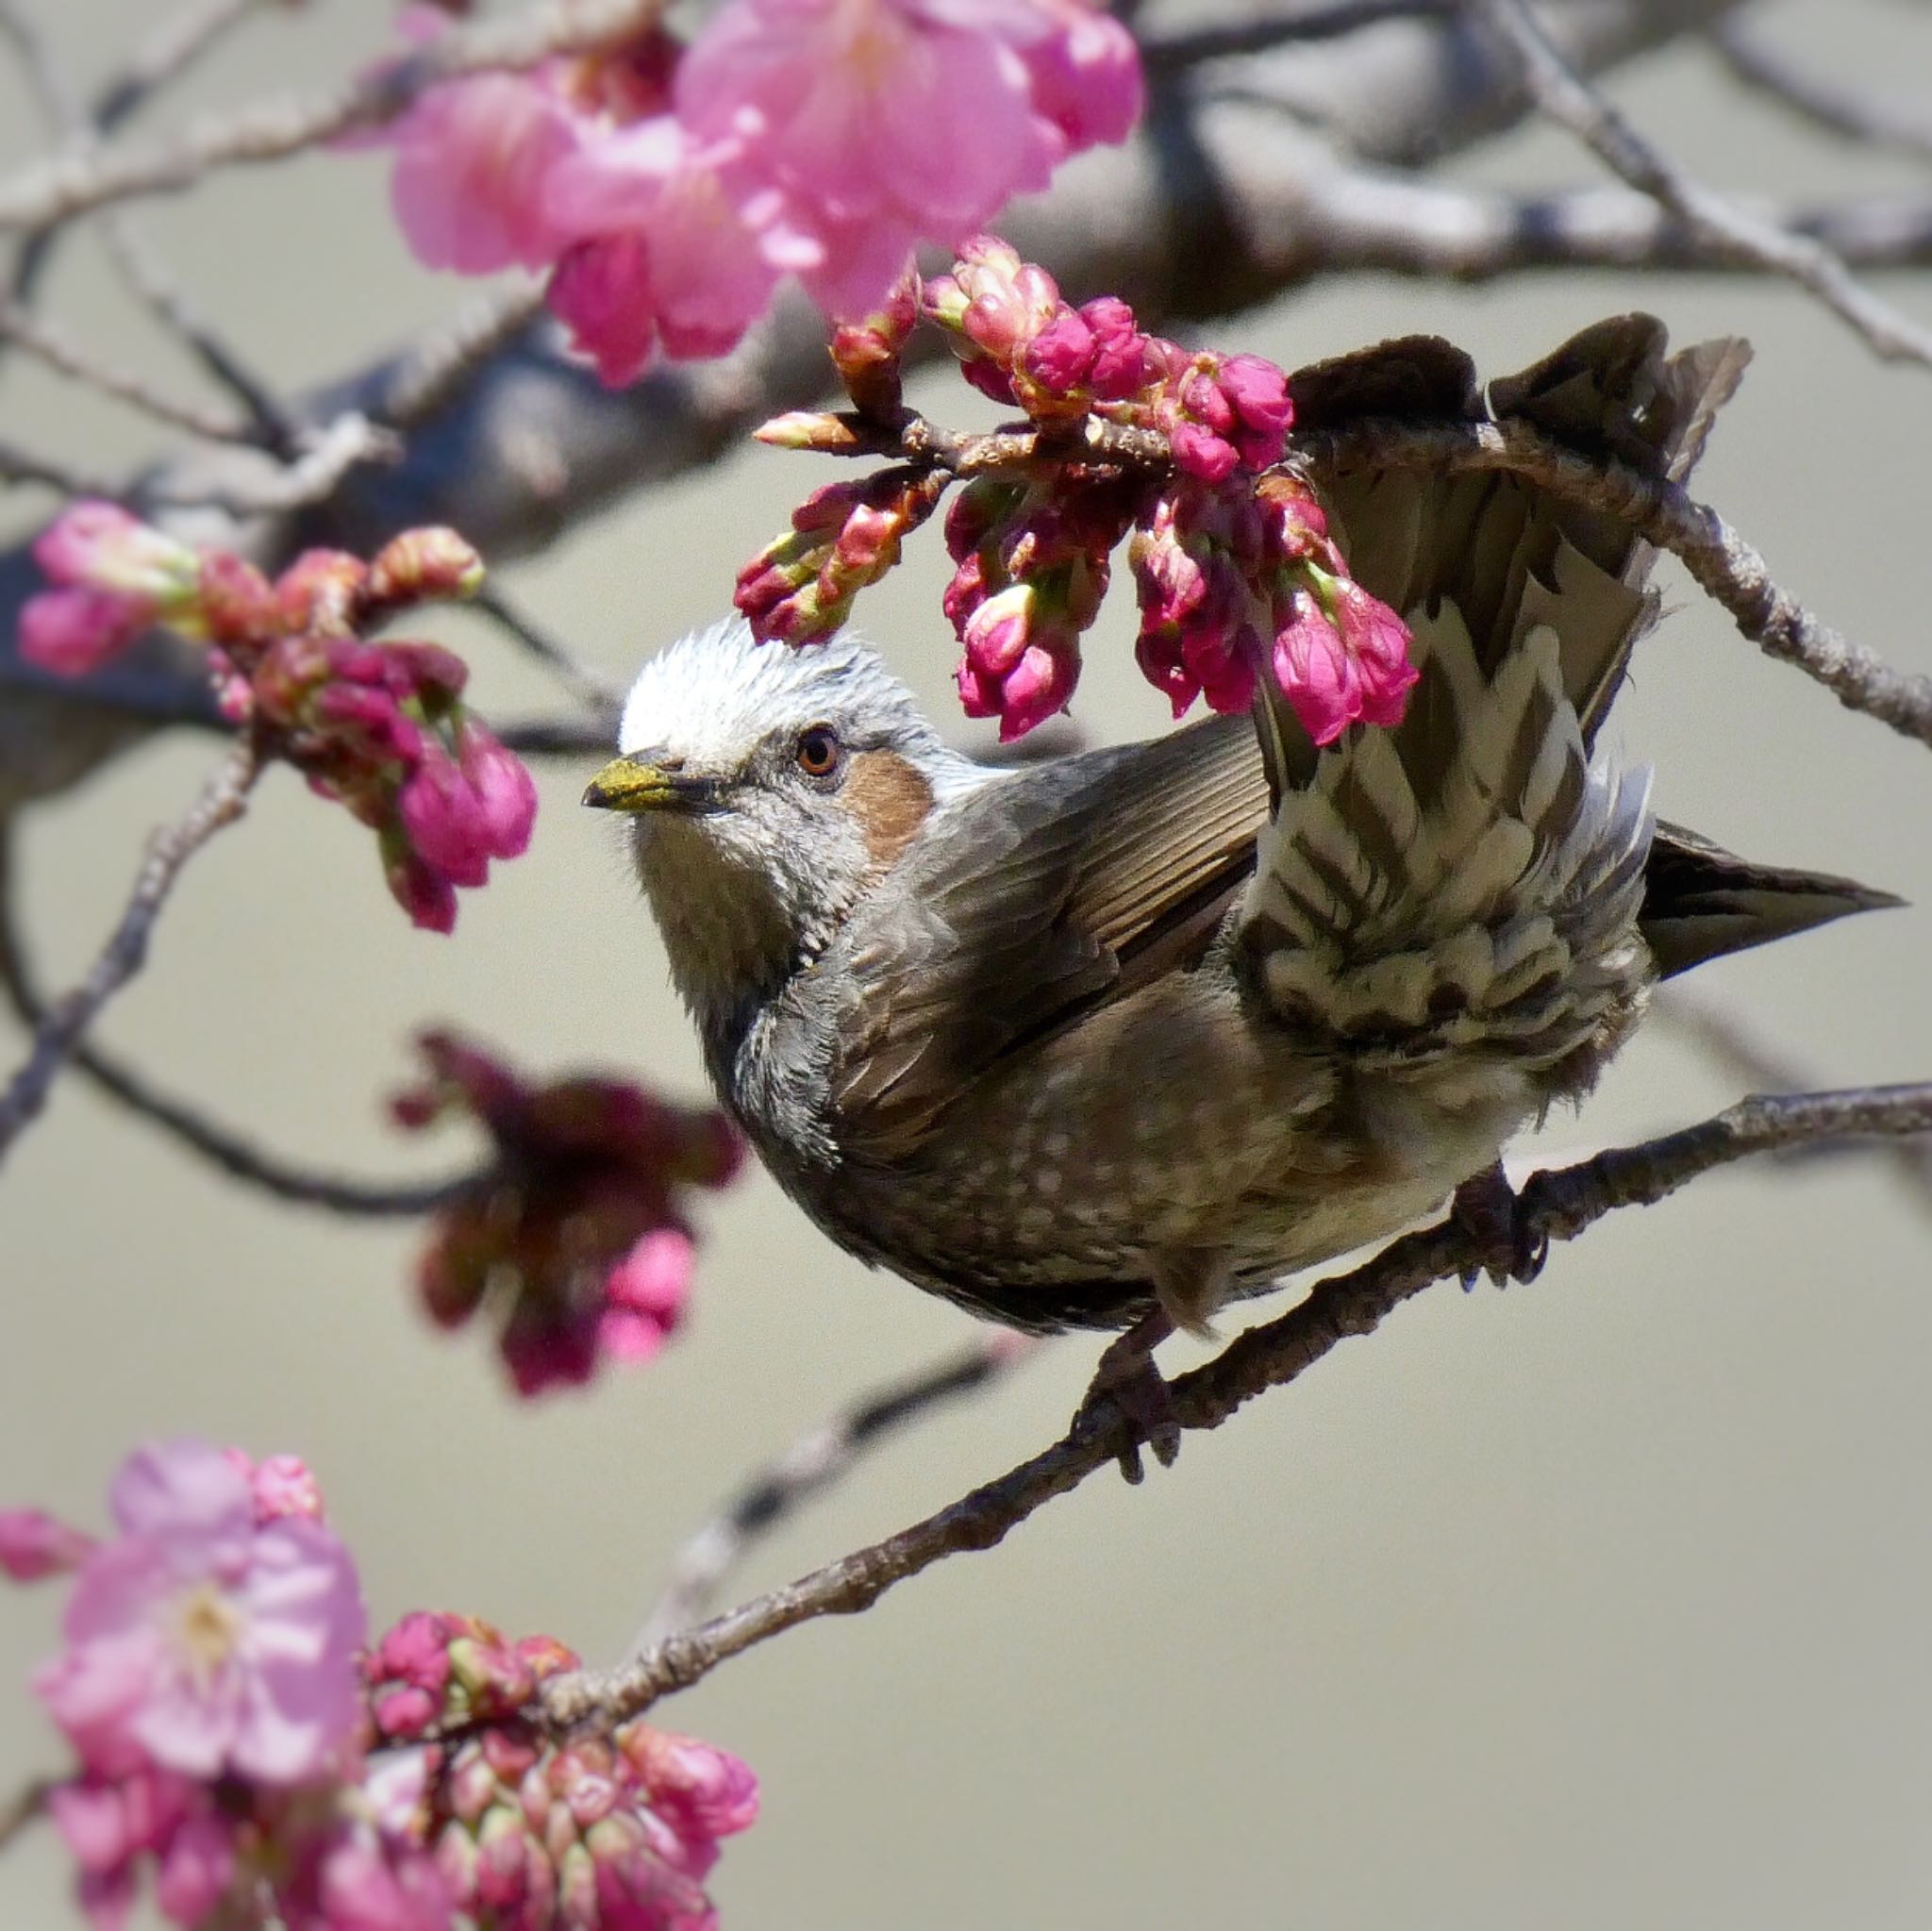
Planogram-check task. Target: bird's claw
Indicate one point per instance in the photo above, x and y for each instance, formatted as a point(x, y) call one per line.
point(1491, 1212)
point(1128, 1382)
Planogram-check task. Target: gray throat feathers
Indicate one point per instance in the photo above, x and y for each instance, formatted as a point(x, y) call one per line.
point(730, 950)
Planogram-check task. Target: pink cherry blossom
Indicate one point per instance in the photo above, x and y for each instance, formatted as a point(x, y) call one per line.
point(472, 160)
point(820, 138)
point(1082, 64)
point(200, 1641)
point(644, 1295)
point(657, 250)
point(34, 1546)
point(882, 112)
point(113, 1827)
point(114, 577)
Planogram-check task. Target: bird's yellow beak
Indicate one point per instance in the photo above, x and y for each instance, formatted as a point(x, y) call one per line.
point(636, 784)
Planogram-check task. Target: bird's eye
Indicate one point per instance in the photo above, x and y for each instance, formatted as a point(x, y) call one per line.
point(818, 751)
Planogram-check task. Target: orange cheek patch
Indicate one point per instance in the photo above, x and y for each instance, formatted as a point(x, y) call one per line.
point(891, 799)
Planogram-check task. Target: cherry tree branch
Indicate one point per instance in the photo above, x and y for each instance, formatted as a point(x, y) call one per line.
point(812, 1464)
point(1559, 1204)
point(26, 1805)
point(222, 800)
point(1567, 98)
point(169, 54)
point(517, 444)
point(1723, 564)
point(51, 345)
point(177, 43)
point(1743, 1054)
point(55, 189)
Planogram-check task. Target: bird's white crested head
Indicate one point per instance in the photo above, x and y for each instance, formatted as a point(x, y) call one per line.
point(716, 694)
point(768, 789)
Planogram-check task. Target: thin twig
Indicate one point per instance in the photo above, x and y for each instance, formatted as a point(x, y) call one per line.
point(1722, 562)
point(1871, 119)
point(599, 694)
point(1189, 47)
point(52, 347)
point(1559, 1204)
point(222, 800)
point(812, 1464)
point(434, 372)
point(57, 189)
point(177, 43)
point(205, 1137)
point(1744, 1056)
point(593, 736)
point(26, 1805)
point(148, 279)
point(19, 465)
point(170, 53)
point(1567, 98)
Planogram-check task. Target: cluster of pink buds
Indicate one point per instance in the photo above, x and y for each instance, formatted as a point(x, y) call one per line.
point(799, 590)
point(243, 1758)
point(379, 727)
point(1032, 568)
point(617, 1833)
point(576, 1237)
point(1241, 589)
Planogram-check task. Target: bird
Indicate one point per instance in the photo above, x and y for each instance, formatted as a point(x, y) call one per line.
point(1111, 1041)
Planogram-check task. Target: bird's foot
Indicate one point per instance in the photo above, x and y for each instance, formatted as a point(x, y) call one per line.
point(1128, 1382)
point(1489, 1209)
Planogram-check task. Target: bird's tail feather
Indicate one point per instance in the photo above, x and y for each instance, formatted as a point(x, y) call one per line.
point(1473, 873)
point(1701, 901)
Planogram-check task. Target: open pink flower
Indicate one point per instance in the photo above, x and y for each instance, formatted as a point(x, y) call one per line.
point(884, 123)
point(881, 112)
point(660, 251)
point(473, 157)
point(200, 1641)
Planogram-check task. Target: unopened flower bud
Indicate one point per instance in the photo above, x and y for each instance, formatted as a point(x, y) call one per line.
point(429, 565)
point(867, 353)
point(322, 593)
point(99, 546)
point(813, 429)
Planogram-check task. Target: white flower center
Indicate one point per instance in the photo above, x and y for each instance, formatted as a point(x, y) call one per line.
point(207, 1628)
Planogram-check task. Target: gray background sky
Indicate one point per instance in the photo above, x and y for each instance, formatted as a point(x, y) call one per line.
point(1596, 1603)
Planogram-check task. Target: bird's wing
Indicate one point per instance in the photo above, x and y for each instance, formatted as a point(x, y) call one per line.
point(1032, 900)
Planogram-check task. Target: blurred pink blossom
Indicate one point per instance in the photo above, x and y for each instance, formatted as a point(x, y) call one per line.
point(668, 191)
point(199, 1640)
point(34, 1546)
point(473, 157)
